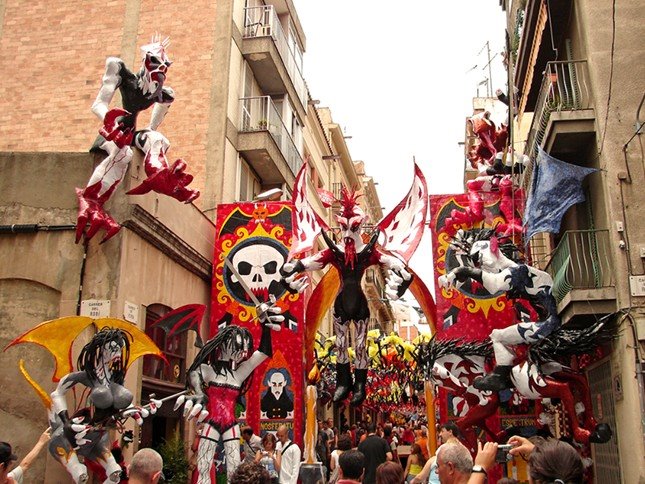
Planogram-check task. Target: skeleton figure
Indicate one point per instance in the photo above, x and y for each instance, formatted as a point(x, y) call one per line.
point(101, 368)
point(219, 375)
point(138, 92)
point(497, 272)
point(258, 264)
point(351, 258)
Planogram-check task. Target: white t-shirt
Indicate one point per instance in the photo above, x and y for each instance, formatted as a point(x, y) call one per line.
point(290, 462)
point(16, 474)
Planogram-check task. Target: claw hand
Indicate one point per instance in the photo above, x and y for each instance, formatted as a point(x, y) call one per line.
point(447, 280)
point(75, 431)
point(193, 407)
point(114, 131)
point(394, 281)
point(91, 211)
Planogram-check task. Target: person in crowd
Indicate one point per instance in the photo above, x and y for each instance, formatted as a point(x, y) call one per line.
point(415, 463)
point(389, 473)
point(508, 480)
point(145, 467)
point(251, 445)
point(322, 446)
point(422, 441)
point(408, 435)
point(288, 457)
point(376, 451)
point(7, 456)
point(447, 431)
point(250, 473)
point(392, 441)
point(344, 444)
point(267, 456)
point(549, 460)
point(352, 467)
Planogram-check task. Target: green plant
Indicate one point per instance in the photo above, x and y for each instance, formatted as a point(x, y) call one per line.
point(175, 464)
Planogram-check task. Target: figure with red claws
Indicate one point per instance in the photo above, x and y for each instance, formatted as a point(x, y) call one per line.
point(138, 92)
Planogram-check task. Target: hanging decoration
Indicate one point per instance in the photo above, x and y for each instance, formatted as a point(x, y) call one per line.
point(119, 132)
point(390, 246)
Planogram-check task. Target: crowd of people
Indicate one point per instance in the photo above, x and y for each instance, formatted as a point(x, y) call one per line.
point(364, 453)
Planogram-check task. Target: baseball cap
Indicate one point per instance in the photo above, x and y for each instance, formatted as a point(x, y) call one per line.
point(5, 453)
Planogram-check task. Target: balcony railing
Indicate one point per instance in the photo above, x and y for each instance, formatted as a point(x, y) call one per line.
point(263, 21)
point(565, 87)
point(260, 114)
point(581, 261)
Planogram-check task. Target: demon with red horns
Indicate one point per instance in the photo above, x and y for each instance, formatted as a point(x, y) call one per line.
point(350, 257)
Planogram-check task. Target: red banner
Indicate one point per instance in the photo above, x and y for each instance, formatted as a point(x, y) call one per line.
point(256, 237)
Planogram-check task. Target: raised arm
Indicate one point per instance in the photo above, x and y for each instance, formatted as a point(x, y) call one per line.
point(110, 83)
point(27, 460)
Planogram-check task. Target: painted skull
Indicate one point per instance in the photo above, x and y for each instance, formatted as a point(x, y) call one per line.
point(277, 383)
point(258, 266)
point(154, 68)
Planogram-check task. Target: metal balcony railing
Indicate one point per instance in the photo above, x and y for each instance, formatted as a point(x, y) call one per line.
point(260, 114)
point(565, 87)
point(263, 21)
point(581, 261)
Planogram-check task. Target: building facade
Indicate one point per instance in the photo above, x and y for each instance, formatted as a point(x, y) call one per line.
point(577, 70)
point(242, 119)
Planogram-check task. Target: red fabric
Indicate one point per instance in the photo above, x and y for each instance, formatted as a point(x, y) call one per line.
point(269, 223)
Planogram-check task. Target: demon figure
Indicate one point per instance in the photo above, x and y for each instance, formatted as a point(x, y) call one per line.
point(119, 131)
point(402, 230)
point(101, 369)
point(496, 270)
point(219, 376)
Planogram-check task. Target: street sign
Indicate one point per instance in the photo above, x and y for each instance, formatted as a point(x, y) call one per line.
point(95, 308)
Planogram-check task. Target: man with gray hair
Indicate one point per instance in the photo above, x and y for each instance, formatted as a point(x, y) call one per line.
point(145, 467)
point(454, 463)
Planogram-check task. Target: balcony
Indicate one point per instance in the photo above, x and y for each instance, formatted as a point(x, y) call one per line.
point(583, 277)
point(265, 142)
point(563, 121)
point(266, 49)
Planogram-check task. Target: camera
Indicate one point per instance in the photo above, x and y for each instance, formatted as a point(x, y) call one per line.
point(502, 455)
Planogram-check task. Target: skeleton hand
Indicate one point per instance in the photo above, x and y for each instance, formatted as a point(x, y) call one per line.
point(269, 314)
point(193, 407)
point(396, 283)
point(115, 132)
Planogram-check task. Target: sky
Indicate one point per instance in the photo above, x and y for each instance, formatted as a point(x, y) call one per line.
point(399, 77)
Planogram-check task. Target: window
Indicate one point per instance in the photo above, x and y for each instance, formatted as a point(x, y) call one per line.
point(249, 184)
point(173, 348)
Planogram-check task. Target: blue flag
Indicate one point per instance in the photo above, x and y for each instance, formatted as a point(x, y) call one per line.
point(556, 185)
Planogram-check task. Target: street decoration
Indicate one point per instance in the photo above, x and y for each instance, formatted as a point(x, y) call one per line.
point(542, 371)
point(252, 242)
point(390, 246)
point(101, 368)
point(218, 377)
point(119, 132)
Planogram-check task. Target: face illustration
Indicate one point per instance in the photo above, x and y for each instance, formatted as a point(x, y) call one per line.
point(350, 228)
point(277, 383)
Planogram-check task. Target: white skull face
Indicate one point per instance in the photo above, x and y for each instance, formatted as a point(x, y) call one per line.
point(277, 383)
point(154, 67)
point(258, 265)
point(111, 354)
point(482, 256)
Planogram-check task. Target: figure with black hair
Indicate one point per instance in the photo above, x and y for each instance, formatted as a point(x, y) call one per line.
point(550, 460)
point(352, 467)
point(376, 451)
point(101, 367)
point(219, 376)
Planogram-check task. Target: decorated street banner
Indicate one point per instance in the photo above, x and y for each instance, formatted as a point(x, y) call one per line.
point(471, 312)
point(255, 238)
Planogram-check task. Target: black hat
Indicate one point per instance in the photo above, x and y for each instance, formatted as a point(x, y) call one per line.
point(6, 455)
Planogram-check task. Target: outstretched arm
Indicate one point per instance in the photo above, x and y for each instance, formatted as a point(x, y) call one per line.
point(27, 460)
